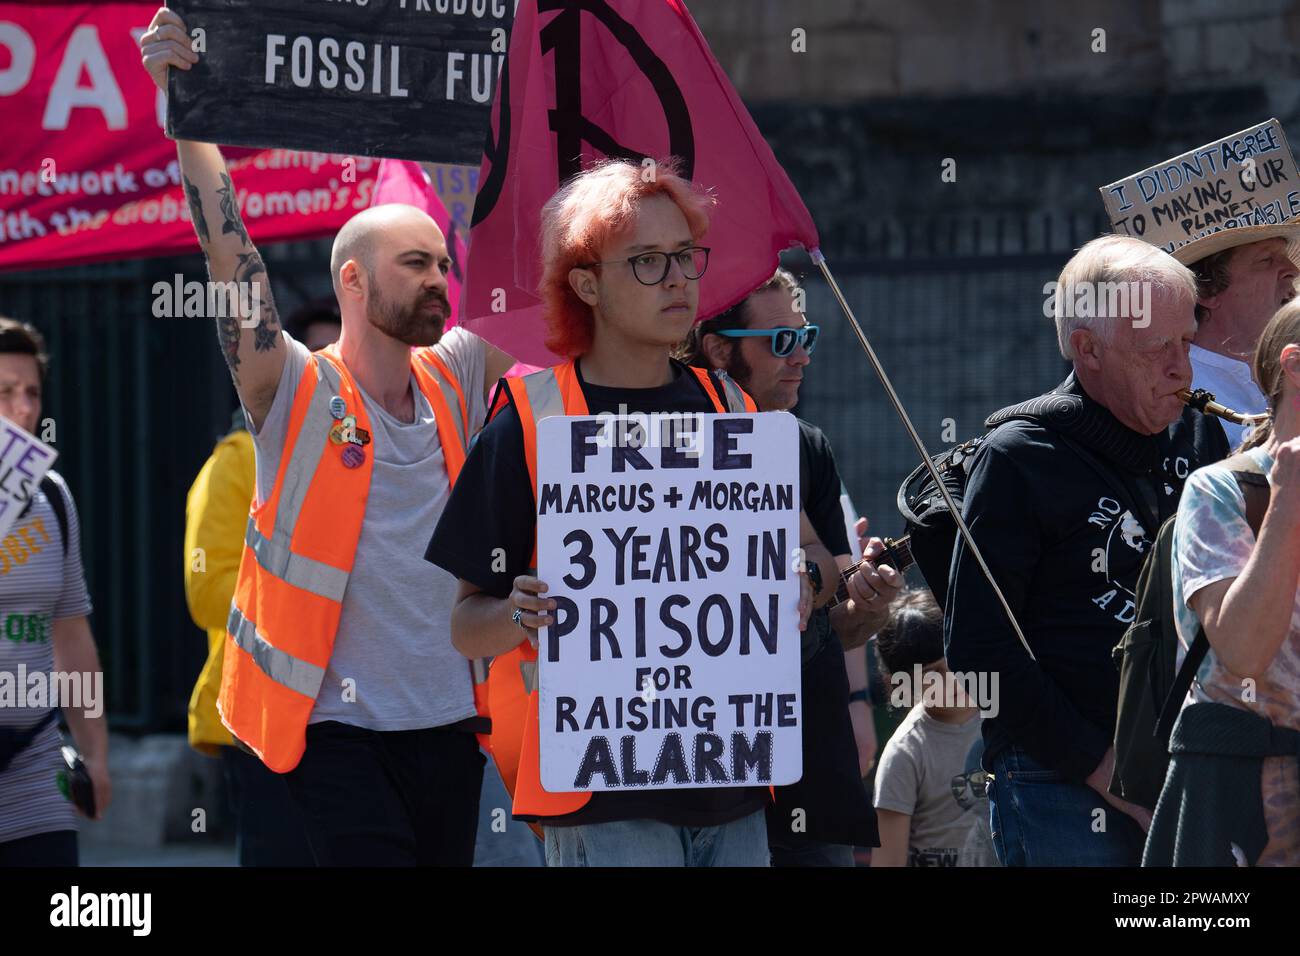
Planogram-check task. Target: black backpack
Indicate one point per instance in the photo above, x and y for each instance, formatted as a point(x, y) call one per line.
point(932, 530)
point(57, 502)
point(1150, 692)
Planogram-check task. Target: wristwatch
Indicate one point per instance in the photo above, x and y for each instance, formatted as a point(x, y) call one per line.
point(861, 695)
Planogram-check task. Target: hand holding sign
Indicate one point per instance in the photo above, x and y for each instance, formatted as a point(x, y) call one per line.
point(166, 44)
point(805, 599)
point(529, 607)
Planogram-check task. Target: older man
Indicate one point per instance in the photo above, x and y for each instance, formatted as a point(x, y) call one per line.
point(1063, 498)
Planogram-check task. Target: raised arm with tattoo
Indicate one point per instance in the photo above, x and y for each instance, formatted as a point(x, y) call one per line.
point(248, 327)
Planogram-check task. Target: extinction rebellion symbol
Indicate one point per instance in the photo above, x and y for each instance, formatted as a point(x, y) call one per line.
point(562, 36)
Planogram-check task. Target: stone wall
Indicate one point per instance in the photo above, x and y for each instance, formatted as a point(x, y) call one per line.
point(874, 48)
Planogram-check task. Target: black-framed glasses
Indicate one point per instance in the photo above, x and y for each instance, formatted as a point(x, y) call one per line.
point(651, 268)
point(785, 338)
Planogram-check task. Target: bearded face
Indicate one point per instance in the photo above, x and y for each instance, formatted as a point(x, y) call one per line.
point(416, 319)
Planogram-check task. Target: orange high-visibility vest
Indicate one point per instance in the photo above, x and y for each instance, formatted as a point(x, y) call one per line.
point(512, 678)
point(299, 548)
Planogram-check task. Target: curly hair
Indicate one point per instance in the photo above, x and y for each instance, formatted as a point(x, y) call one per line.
point(579, 222)
point(1212, 277)
point(691, 349)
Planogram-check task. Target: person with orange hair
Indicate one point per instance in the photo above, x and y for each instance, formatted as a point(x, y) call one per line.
point(621, 266)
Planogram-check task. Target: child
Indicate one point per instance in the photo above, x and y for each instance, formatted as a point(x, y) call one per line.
point(924, 821)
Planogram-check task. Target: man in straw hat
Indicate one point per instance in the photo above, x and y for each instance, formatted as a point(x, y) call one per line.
point(1230, 211)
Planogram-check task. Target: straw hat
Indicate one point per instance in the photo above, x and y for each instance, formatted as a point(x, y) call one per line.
point(1207, 245)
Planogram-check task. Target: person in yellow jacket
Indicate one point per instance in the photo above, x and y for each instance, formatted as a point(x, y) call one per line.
point(269, 831)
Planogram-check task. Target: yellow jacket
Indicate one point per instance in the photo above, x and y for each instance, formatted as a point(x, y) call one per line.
point(216, 514)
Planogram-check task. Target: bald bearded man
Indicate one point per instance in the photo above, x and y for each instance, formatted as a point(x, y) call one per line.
point(339, 668)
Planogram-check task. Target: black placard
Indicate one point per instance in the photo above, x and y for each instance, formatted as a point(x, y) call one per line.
point(406, 79)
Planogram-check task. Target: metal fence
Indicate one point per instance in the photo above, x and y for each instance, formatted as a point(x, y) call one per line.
point(954, 309)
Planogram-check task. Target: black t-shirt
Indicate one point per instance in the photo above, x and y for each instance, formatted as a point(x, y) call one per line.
point(492, 506)
point(1065, 538)
point(819, 488)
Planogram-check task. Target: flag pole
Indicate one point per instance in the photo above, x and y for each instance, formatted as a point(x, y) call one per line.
point(820, 260)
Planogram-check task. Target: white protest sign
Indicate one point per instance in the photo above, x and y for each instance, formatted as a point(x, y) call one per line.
point(24, 460)
point(670, 543)
point(1246, 179)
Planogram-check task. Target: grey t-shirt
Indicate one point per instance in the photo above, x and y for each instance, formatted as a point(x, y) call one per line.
point(38, 585)
point(915, 777)
point(393, 666)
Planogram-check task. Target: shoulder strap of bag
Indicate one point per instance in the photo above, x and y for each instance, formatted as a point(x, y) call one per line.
point(55, 496)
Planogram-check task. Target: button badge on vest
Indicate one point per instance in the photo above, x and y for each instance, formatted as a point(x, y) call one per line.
point(345, 432)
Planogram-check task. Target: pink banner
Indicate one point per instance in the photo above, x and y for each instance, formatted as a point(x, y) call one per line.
point(407, 182)
point(86, 174)
point(617, 78)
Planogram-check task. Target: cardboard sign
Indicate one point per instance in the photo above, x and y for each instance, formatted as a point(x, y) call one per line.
point(1246, 179)
point(405, 79)
point(670, 543)
point(24, 460)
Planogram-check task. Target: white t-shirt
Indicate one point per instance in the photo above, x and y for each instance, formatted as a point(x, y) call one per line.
point(393, 646)
point(1232, 384)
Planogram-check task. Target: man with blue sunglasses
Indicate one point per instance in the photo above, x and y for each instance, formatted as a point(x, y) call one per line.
point(764, 343)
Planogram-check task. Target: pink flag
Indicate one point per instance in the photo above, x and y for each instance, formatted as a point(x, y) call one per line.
point(402, 181)
point(617, 78)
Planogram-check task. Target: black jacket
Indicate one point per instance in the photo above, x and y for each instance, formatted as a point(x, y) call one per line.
point(1063, 512)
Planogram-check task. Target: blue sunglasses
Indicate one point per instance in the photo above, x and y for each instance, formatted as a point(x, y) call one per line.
point(784, 339)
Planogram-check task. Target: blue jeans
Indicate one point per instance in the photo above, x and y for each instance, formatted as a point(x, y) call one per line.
point(1039, 818)
point(742, 842)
